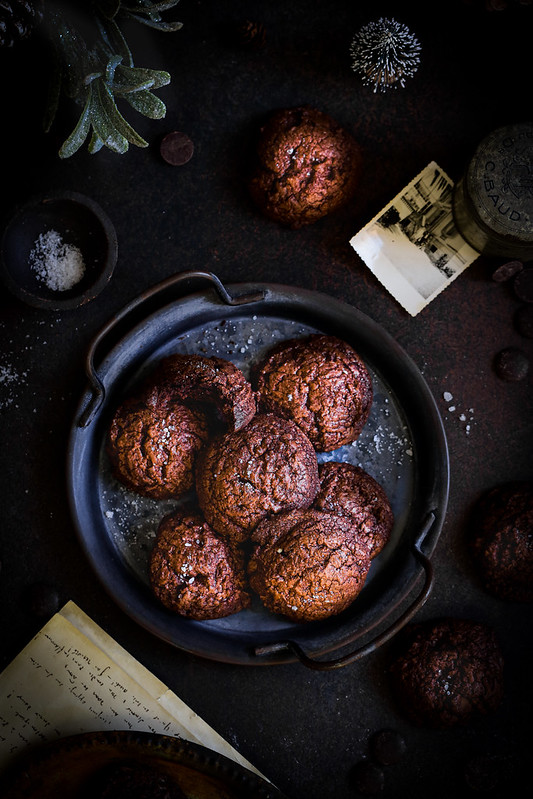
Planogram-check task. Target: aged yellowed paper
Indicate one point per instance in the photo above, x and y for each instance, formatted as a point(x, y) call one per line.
point(72, 677)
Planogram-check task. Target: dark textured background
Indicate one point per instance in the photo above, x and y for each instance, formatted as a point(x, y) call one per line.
point(304, 730)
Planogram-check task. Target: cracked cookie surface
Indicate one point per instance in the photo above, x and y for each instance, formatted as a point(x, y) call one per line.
point(307, 166)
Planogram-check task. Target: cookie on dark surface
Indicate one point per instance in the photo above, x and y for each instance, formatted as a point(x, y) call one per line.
point(214, 382)
point(193, 571)
point(447, 672)
point(319, 382)
point(307, 564)
point(348, 490)
point(501, 540)
point(153, 442)
point(242, 476)
point(306, 166)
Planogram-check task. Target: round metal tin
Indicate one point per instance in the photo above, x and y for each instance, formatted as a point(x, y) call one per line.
point(493, 200)
point(403, 446)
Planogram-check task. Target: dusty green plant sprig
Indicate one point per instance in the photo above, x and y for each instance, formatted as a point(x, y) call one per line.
point(94, 67)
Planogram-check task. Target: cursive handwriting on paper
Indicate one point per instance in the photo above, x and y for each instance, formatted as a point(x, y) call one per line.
point(62, 684)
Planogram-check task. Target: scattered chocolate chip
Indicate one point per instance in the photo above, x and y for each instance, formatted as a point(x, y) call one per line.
point(176, 148)
point(387, 747)
point(511, 364)
point(507, 271)
point(251, 34)
point(523, 285)
point(524, 320)
point(368, 778)
point(42, 600)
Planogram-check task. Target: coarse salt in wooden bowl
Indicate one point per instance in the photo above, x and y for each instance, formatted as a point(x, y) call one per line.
point(58, 251)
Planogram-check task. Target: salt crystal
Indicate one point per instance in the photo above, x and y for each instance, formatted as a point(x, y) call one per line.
point(7, 375)
point(447, 396)
point(57, 264)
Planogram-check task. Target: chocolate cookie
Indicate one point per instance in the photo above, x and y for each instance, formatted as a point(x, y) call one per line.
point(308, 565)
point(319, 382)
point(242, 476)
point(195, 572)
point(447, 672)
point(153, 442)
point(215, 382)
point(501, 540)
point(306, 166)
point(347, 490)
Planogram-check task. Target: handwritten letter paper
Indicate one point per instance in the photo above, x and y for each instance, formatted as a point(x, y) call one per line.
point(64, 683)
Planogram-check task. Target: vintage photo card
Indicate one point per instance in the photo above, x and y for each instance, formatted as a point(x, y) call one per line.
point(412, 246)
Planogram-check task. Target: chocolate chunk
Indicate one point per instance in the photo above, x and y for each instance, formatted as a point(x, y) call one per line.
point(524, 320)
point(507, 271)
point(523, 285)
point(176, 148)
point(511, 364)
point(251, 34)
point(387, 747)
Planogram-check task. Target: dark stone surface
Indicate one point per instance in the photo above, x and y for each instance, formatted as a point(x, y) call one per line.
point(305, 730)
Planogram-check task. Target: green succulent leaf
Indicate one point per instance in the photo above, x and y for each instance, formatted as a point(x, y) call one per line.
point(141, 77)
point(112, 64)
point(74, 55)
point(165, 27)
point(147, 104)
point(104, 127)
point(95, 76)
point(147, 7)
point(108, 8)
point(115, 119)
point(73, 143)
point(114, 40)
point(95, 144)
point(124, 89)
point(127, 80)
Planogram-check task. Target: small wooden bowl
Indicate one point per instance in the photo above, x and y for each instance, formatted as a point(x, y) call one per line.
point(80, 222)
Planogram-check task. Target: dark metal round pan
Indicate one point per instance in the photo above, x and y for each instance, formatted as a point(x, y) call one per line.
point(403, 446)
point(82, 765)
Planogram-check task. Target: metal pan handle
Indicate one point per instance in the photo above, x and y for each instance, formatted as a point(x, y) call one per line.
point(96, 385)
point(379, 640)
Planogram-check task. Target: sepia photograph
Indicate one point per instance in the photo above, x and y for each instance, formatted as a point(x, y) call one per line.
point(412, 245)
